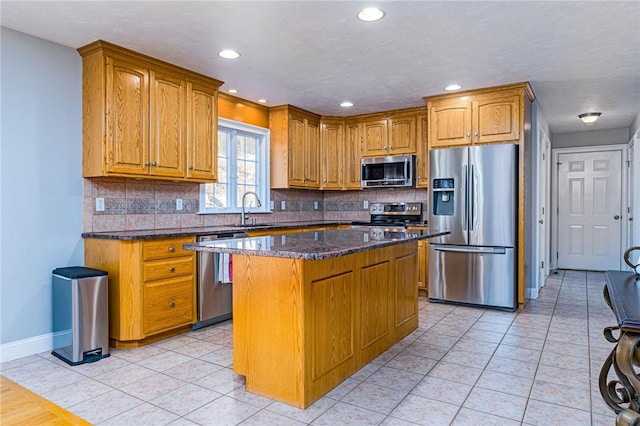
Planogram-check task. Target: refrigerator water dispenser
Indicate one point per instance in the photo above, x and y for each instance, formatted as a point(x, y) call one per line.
point(443, 197)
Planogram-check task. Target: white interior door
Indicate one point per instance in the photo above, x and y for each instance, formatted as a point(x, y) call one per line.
point(589, 210)
point(544, 147)
point(631, 199)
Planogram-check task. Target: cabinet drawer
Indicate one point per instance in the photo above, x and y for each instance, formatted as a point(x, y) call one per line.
point(167, 268)
point(168, 304)
point(161, 249)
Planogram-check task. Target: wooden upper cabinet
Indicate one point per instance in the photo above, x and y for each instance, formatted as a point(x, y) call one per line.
point(491, 115)
point(391, 133)
point(168, 125)
point(450, 124)
point(202, 132)
point(496, 119)
point(146, 118)
point(422, 150)
point(332, 154)
point(295, 148)
point(375, 138)
point(127, 133)
point(402, 134)
point(353, 145)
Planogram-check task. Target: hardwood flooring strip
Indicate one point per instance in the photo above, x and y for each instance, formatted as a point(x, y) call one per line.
point(20, 406)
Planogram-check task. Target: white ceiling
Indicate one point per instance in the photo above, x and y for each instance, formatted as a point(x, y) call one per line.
point(579, 56)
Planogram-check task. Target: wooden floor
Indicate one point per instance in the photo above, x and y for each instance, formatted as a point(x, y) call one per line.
point(20, 406)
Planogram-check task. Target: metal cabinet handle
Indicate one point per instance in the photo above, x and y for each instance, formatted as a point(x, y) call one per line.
point(172, 304)
point(172, 269)
point(616, 217)
point(475, 134)
point(172, 249)
point(190, 167)
point(154, 164)
point(468, 135)
point(147, 163)
point(541, 221)
point(630, 219)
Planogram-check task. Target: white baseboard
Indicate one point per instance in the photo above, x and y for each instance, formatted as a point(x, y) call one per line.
point(531, 293)
point(33, 345)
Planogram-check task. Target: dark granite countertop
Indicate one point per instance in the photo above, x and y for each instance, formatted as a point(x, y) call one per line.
point(314, 245)
point(202, 230)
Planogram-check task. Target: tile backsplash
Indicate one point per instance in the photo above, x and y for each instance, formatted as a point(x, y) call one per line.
point(131, 204)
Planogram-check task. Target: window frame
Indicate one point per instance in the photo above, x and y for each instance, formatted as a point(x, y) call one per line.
point(262, 177)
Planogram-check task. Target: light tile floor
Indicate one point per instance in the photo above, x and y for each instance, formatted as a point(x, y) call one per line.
point(462, 366)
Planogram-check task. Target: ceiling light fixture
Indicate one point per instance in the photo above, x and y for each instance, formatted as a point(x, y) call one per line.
point(232, 90)
point(453, 87)
point(262, 101)
point(589, 117)
point(346, 104)
point(228, 54)
point(370, 14)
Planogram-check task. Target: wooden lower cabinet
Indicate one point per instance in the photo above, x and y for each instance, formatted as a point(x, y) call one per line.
point(301, 327)
point(151, 287)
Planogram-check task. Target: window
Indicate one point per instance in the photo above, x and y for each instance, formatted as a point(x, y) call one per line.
point(243, 165)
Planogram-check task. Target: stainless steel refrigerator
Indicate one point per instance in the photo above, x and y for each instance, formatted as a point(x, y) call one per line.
point(474, 193)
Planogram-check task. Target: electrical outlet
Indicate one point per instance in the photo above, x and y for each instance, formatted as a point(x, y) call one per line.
point(178, 204)
point(272, 205)
point(99, 204)
point(365, 204)
point(283, 205)
point(315, 205)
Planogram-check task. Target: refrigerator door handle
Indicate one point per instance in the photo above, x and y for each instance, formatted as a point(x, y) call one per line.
point(470, 249)
point(465, 215)
point(472, 198)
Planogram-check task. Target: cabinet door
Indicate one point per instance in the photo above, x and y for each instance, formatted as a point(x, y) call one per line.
point(374, 138)
point(332, 155)
point(202, 133)
point(496, 120)
point(423, 250)
point(127, 118)
point(296, 151)
point(402, 135)
point(168, 304)
point(422, 149)
point(312, 149)
point(168, 125)
point(353, 156)
point(449, 124)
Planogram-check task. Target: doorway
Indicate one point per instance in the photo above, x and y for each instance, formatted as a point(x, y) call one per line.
point(589, 195)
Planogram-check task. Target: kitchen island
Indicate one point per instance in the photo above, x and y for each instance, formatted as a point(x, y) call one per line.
point(310, 309)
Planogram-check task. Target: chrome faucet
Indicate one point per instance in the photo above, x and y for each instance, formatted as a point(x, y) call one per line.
point(242, 211)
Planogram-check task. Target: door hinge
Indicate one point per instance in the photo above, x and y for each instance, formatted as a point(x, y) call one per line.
point(628, 163)
point(543, 210)
point(557, 255)
point(542, 265)
point(544, 154)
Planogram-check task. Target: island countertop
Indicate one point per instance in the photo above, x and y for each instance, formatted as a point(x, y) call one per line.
point(314, 245)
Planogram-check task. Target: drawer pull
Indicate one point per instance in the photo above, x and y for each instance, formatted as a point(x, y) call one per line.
point(172, 269)
point(172, 304)
point(172, 249)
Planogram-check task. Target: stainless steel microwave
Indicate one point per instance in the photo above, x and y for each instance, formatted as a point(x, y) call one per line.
point(387, 172)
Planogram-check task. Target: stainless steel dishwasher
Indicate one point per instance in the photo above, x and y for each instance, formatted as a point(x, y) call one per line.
point(214, 288)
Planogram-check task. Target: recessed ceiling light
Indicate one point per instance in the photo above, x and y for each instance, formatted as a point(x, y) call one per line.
point(346, 104)
point(589, 117)
point(453, 87)
point(228, 54)
point(262, 101)
point(370, 14)
point(232, 90)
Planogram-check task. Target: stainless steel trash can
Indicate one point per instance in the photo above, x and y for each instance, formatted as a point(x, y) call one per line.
point(80, 304)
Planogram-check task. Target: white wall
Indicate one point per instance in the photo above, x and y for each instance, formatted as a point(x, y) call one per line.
point(41, 184)
point(635, 125)
point(590, 138)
